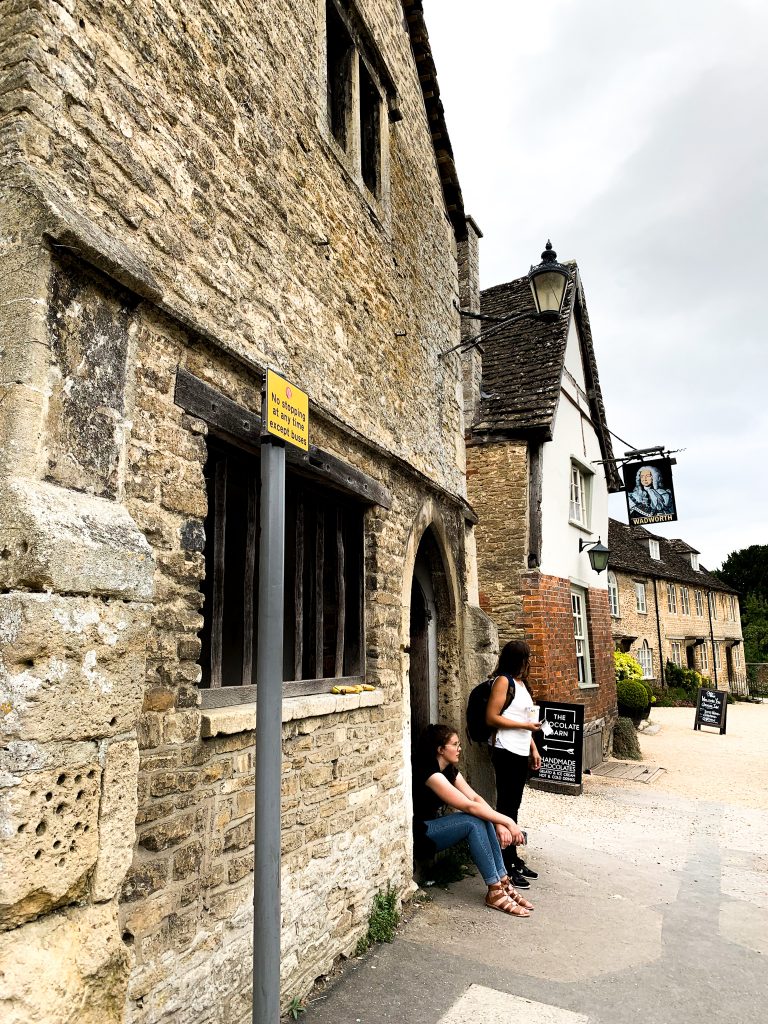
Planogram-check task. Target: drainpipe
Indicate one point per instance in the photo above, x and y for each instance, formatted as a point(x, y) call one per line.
point(658, 633)
point(712, 634)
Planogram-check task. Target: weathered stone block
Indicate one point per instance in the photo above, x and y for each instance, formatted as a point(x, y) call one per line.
point(71, 668)
point(49, 806)
point(71, 543)
point(117, 817)
point(167, 833)
point(143, 879)
point(188, 860)
point(69, 966)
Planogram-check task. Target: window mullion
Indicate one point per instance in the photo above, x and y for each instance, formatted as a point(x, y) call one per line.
point(298, 590)
point(249, 582)
point(341, 595)
point(217, 620)
point(319, 591)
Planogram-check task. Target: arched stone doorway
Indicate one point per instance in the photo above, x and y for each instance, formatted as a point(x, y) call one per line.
point(429, 635)
point(423, 645)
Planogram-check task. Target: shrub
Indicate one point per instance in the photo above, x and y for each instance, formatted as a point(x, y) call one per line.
point(626, 666)
point(673, 697)
point(632, 696)
point(625, 742)
point(686, 679)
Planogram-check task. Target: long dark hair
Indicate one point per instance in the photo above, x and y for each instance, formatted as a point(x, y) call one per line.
point(433, 738)
point(514, 660)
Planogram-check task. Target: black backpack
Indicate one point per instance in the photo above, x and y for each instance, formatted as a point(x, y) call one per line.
point(477, 729)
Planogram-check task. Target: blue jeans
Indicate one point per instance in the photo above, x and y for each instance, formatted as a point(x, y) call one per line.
point(481, 836)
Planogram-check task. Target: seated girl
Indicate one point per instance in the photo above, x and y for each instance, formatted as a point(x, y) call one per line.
point(437, 783)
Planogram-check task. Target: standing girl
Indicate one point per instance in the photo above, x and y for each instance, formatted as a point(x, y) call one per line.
point(511, 713)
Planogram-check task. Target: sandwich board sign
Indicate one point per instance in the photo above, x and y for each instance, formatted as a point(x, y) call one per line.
point(560, 743)
point(711, 709)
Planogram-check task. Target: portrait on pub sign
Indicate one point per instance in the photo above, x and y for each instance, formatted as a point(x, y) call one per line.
point(650, 496)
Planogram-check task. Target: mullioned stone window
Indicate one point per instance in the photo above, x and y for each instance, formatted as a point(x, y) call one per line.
point(358, 91)
point(322, 637)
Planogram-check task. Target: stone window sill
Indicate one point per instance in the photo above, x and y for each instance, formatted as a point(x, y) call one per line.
point(242, 718)
point(589, 686)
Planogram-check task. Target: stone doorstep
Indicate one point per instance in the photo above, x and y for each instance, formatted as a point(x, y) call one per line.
point(242, 718)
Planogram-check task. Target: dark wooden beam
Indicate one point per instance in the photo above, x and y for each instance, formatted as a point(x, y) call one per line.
point(244, 426)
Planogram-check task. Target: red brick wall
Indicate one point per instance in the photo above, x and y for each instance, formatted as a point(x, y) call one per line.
point(548, 627)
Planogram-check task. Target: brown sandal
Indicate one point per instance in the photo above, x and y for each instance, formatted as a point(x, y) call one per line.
point(497, 899)
point(513, 894)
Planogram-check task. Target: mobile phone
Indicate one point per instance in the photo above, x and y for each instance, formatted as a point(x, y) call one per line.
point(525, 837)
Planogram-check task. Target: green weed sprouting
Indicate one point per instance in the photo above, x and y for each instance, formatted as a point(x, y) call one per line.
point(382, 922)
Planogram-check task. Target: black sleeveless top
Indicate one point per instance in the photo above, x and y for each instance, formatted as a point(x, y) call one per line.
point(426, 803)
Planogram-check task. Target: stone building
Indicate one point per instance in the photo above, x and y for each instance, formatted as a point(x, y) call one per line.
point(539, 471)
point(663, 600)
point(188, 197)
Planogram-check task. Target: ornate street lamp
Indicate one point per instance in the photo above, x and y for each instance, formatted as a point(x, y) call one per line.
point(549, 281)
point(598, 553)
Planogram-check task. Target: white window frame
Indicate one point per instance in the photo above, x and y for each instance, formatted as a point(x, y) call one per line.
point(716, 649)
point(640, 598)
point(580, 495)
point(694, 561)
point(704, 658)
point(699, 602)
point(613, 594)
point(677, 652)
point(712, 597)
point(735, 656)
point(645, 657)
point(653, 549)
point(685, 603)
point(732, 605)
point(580, 636)
point(672, 599)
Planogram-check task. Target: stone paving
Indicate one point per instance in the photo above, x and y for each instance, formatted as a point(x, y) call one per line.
point(652, 906)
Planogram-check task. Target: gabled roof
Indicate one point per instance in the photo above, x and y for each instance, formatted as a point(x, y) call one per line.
point(523, 366)
point(629, 553)
point(425, 67)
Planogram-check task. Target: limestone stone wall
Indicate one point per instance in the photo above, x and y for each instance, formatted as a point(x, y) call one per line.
point(171, 197)
point(199, 139)
point(679, 626)
point(497, 488)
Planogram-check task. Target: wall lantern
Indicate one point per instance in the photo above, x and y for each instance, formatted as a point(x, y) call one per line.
point(549, 281)
point(598, 553)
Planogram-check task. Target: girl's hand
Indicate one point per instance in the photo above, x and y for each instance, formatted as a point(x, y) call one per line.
point(535, 759)
point(504, 836)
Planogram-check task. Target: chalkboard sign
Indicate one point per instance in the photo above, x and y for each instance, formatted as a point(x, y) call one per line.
point(560, 743)
point(711, 709)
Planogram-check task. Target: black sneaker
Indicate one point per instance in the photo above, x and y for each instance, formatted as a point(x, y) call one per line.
point(519, 881)
point(522, 869)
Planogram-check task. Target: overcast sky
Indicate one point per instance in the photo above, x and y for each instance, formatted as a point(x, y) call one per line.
point(635, 136)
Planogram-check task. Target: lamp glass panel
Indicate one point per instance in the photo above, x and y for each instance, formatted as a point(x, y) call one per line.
point(548, 288)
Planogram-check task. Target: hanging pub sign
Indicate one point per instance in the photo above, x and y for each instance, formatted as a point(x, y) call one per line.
point(650, 497)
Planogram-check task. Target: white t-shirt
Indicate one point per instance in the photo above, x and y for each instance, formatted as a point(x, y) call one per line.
point(517, 741)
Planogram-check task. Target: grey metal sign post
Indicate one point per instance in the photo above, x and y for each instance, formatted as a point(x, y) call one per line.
point(269, 678)
point(285, 418)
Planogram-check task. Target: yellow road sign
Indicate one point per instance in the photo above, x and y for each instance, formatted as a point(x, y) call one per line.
point(287, 411)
